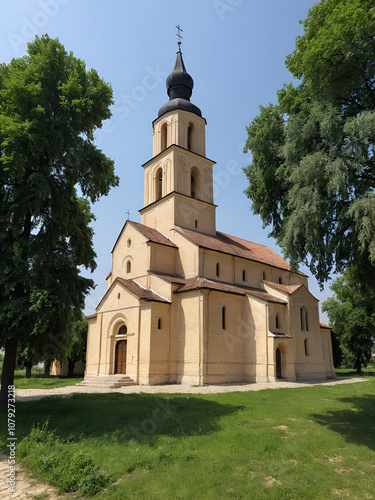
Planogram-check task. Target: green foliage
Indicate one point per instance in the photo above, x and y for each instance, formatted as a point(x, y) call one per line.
point(314, 179)
point(352, 317)
point(40, 381)
point(50, 106)
point(76, 348)
point(70, 471)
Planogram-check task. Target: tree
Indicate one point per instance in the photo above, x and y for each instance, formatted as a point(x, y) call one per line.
point(50, 106)
point(352, 317)
point(312, 175)
point(76, 346)
point(27, 358)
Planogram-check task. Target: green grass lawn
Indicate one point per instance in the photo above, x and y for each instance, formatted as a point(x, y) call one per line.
point(308, 443)
point(349, 372)
point(40, 381)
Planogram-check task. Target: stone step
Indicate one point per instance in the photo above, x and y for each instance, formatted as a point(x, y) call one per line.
point(107, 381)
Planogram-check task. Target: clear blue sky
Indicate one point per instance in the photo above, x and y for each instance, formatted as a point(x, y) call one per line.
point(234, 50)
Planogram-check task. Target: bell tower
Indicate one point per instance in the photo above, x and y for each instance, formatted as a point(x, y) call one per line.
point(178, 180)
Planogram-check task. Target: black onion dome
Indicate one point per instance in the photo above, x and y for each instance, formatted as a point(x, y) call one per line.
point(179, 88)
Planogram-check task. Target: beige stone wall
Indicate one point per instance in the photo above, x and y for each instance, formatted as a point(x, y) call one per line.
point(162, 258)
point(194, 214)
point(61, 368)
point(187, 264)
point(182, 211)
point(132, 248)
point(229, 345)
point(188, 334)
point(177, 123)
point(175, 167)
point(117, 308)
point(310, 364)
point(144, 339)
point(160, 348)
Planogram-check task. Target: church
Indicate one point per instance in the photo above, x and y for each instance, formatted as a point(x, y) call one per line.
point(188, 304)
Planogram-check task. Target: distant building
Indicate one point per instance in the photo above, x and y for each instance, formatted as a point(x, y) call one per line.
point(188, 304)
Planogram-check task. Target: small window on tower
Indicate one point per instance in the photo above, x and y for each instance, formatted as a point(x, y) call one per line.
point(223, 318)
point(277, 321)
point(217, 269)
point(159, 184)
point(196, 224)
point(264, 276)
point(244, 275)
point(190, 131)
point(164, 137)
point(280, 281)
point(128, 267)
point(159, 323)
point(192, 186)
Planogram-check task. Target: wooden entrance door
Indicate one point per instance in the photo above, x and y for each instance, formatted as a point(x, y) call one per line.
point(120, 362)
point(278, 363)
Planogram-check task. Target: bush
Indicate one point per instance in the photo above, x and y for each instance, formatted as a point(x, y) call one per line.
point(58, 463)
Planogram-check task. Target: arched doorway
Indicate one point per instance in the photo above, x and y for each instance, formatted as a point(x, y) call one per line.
point(120, 359)
point(278, 364)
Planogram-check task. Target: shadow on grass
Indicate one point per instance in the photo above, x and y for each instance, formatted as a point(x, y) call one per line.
point(356, 424)
point(124, 417)
point(21, 376)
point(353, 373)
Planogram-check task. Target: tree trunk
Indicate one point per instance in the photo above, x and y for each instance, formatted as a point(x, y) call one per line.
point(70, 368)
point(358, 365)
point(28, 365)
point(7, 376)
point(47, 366)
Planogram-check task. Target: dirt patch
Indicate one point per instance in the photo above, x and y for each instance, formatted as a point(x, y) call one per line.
point(270, 481)
point(26, 487)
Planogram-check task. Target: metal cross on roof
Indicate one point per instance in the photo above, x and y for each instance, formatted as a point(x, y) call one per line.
point(179, 35)
point(128, 214)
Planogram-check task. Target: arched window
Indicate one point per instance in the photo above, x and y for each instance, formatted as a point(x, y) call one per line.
point(164, 131)
point(277, 321)
point(223, 318)
point(122, 330)
point(304, 319)
point(306, 342)
point(192, 186)
point(159, 184)
point(128, 267)
point(194, 182)
point(217, 269)
point(159, 323)
point(190, 131)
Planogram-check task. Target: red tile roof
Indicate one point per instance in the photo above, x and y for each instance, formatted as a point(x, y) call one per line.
point(140, 291)
point(283, 288)
point(153, 234)
point(322, 325)
point(232, 245)
point(199, 283)
point(172, 278)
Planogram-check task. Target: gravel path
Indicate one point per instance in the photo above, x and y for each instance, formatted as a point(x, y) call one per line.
point(26, 487)
point(34, 394)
